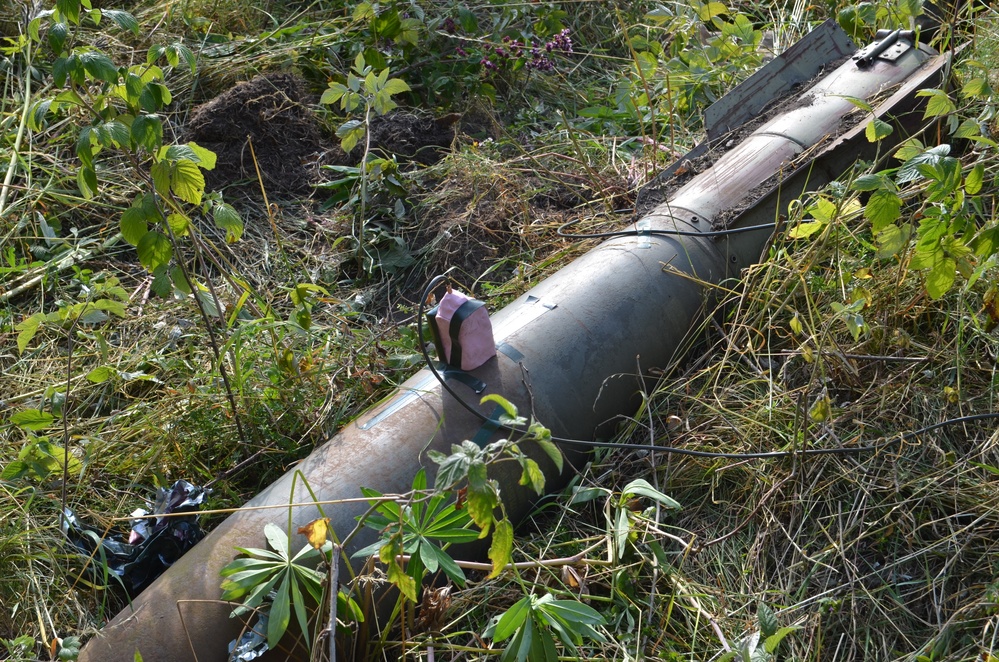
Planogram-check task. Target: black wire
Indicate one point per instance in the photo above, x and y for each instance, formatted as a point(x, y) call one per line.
point(664, 233)
point(839, 450)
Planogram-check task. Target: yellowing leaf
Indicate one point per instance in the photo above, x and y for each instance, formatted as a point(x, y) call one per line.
point(316, 531)
point(501, 549)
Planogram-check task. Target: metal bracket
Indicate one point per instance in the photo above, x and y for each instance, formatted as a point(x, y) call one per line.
point(889, 46)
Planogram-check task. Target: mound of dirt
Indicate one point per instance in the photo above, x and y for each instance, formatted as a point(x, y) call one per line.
point(271, 113)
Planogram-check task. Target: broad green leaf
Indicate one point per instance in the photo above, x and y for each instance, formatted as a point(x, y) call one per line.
point(941, 277)
point(32, 419)
point(154, 250)
point(206, 158)
point(405, 583)
point(892, 239)
point(334, 93)
point(552, 451)
point(101, 374)
point(134, 225)
point(227, 218)
point(772, 641)
point(117, 132)
point(99, 66)
point(882, 209)
point(187, 182)
point(878, 130)
point(179, 224)
point(709, 10)
point(976, 88)
point(976, 177)
point(938, 103)
point(512, 619)
point(806, 229)
point(86, 179)
point(909, 171)
point(68, 9)
point(501, 548)
point(395, 86)
point(869, 182)
point(123, 19)
point(767, 619)
point(27, 330)
point(533, 476)
point(481, 498)
point(821, 409)
point(508, 407)
point(147, 132)
point(277, 539)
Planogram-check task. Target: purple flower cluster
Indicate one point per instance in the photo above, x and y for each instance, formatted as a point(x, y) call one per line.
point(539, 55)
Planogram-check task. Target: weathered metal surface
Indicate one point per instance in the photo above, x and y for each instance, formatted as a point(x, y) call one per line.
point(799, 64)
point(570, 351)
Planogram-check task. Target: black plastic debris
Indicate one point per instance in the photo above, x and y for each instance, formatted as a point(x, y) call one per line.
point(253, 643)
point(138, 557)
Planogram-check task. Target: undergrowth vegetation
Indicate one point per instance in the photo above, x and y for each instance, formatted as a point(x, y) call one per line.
point(179, 299)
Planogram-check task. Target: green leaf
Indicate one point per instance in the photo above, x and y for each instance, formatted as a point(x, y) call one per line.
point(878, 130)
point(772, 642)
point(187, 182)
point(821, 409)
point(976, 88)
point(99, 66)
point(334, 93)
point(533, 476)
point(123, 20)
point(512, 619)
point(481, 498)
point(976, 177)
point(69, 9)
point(869, 182)
point(86, 179)
point(227, 218)
point(909, 171)
point(552, 451)
point(767, 619)
point(277, 539)
point(101, 374)
point(938, 104)
point(154, 250)
point(280, 614)
point(501, 549)
point(709, 10)
point(508, 407)
point(405, 583)
point(882, 209)
point(941, 276)
point(179, 224)
point(206, 158)
point(147, 132)
point(134, 225)
point(27, 330)
point(395, 86)
point(641, 487)
point(350, 133)
point(892, 239)
point(32, 419)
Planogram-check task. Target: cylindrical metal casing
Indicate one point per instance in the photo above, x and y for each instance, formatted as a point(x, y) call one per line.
point(570, 353)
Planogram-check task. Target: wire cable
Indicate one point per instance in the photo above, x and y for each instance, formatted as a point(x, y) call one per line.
point(763, 455)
